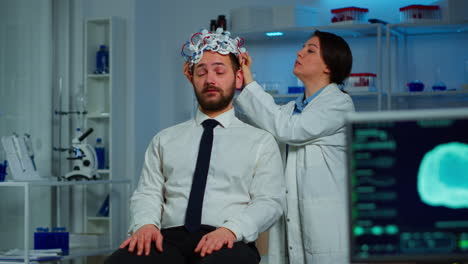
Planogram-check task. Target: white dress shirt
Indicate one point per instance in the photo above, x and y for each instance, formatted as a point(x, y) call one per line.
point(245, 186)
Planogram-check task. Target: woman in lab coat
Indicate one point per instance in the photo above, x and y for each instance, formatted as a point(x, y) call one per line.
point(311, 131)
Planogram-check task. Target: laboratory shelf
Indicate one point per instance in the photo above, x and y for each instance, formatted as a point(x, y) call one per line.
point(397, 65)
point(62, 183)
point(281, 96)
point(98, 115)
point(302, 33)
point(354, 95)
point(98, 218)
point(431, 94)
point(86, 252)
point(28, 185)
point(363, 94)
point(99, 76)
point(427, 28)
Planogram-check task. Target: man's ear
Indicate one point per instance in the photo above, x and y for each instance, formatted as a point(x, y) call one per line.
point(327, 70)
point(239, 79)
point(187, 72)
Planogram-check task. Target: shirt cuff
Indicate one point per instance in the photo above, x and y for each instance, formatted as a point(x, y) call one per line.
point(252, 85)
point(235, 229)
point(248, 90)
point(133, 228)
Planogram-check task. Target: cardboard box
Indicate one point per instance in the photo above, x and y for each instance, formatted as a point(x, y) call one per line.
point(88, 240)
point(453, 11)
point(247, 19)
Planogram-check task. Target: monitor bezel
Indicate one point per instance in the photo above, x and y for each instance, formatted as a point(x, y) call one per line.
point(387, 116)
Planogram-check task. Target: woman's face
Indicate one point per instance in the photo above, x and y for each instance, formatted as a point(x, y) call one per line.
point(309, 63)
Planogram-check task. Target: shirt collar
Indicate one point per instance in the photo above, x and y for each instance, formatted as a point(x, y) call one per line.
point(301, 103)
point(225, 119)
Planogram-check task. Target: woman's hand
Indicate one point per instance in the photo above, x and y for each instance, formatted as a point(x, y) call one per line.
point(246, 62)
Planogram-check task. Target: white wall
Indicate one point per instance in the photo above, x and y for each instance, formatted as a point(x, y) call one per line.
point(158, 94)
point(25, 106)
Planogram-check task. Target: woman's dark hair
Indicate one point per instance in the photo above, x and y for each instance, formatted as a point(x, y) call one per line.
point(336, 54)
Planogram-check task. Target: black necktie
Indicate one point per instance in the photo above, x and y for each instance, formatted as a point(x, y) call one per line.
point(195, 203)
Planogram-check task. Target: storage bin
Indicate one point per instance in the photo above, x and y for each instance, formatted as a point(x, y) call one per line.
point(58, 238)
point(349, 15)
point(360, 82)
point(453, 11)
point(88, 240)
point(295, 89)
point(419, 13)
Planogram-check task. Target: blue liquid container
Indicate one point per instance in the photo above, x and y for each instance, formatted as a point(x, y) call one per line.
point(3, 168)
point(439, 86)
point(104, 210)
point(58, 238)
point(100, 153)
point(295, 89)
point(102, 60)
point(415, 86)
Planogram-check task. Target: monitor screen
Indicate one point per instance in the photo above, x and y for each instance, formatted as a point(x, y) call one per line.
point(408, 186)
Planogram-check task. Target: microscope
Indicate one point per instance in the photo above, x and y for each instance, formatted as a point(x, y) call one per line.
point(84, 159)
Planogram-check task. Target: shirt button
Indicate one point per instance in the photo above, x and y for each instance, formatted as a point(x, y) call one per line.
point(287, 219)
point(286, 191)
point(290, 247)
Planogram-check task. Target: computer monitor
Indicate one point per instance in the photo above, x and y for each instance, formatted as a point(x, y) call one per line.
point(408, 186)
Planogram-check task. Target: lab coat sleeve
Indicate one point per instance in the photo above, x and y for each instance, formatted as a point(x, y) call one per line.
point(267, 192)
point(147, 200)
point(300, 129)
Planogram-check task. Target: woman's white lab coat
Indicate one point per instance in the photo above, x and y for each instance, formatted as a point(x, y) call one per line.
point(316, 231)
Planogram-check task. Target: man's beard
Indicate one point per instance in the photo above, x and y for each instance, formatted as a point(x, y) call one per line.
point(211, 105)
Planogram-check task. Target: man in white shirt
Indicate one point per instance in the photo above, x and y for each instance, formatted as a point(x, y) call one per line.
point(244, 192)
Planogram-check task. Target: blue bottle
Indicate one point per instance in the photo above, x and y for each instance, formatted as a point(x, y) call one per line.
point(3, 170)
point(102, 60)
point(100, 153)
point(104, 210)
point(3, 165)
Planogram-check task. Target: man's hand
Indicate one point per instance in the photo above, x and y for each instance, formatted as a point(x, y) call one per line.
point(215, 240)
point(142, 239)
point(246, 62)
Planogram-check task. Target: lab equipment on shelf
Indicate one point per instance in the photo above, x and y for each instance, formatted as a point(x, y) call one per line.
point(57, 238)
point(104, 210)
point(221, 22)
point(349, 15)
point(295, 89)
point(361, 82)
point(21, 165)
point(100, 153)
point(257, 18)
point(3, 168)
point(415, 86)
point(271, 87)
point(102, 60)
point(419, 13)
point(35, 256)
point(29, 147)
point(3, 165)
point(213, 25)
point(464, 86)
point(84, 158)
point(438, 85)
